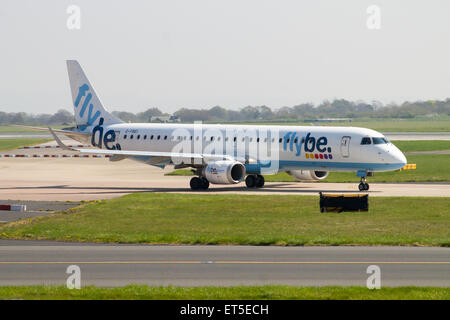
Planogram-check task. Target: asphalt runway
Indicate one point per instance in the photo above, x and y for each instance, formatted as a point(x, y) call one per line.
point(35, 262)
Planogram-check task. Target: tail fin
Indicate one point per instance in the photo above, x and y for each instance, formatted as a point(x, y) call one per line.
point(88, 109)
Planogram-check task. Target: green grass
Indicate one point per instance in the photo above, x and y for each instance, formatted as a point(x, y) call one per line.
point(160, 218)
point(180, 172)
point(10, 144)
point(441, 124)
point(142, 292)
point(401, 125)
point(14, 129)
point(422, 145)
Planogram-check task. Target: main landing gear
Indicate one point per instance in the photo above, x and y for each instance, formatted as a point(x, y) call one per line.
point(363, 186)
point(254, 181)
point(199, 183)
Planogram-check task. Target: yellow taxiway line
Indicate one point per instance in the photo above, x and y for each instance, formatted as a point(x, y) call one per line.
point(225, 262)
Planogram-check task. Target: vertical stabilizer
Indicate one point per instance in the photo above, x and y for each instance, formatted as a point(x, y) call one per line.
point(88, 109)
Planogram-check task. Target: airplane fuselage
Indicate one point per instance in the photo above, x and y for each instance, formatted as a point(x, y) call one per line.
point(293, 147)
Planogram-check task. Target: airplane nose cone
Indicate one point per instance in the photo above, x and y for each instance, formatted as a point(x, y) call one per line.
point(398, 158)
point(401, 158)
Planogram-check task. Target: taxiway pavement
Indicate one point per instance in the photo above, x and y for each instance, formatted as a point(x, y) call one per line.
point(46, 262)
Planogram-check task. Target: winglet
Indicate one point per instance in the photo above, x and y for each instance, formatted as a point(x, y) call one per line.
point(59, 142)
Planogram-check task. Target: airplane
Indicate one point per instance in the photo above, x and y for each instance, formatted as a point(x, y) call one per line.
point(227, 154)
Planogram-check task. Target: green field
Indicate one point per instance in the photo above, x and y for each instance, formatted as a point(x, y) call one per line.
point(10, 144)
point(17, 129)
point(422, 124)
point(401, 125)
point(422, 145)
point(161, 218)
point(141, 292)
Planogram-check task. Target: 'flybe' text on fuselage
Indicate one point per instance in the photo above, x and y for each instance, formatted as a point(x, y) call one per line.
point(294, 143)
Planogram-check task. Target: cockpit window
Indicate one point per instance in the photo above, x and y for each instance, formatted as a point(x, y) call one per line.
point(366, 140)
point(380, 140)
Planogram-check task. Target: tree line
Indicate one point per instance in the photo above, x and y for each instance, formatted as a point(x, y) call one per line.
point(338, 108)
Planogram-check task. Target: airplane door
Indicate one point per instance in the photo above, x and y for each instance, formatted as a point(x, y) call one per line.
point(345, 146)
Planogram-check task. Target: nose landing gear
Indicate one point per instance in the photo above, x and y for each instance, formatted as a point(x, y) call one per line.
point(363, 186)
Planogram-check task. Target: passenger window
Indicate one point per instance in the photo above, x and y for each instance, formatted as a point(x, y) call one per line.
point(280, 140)
point(165, 137)
point(151, 137)
point(131, 137)
point(234, 139)
point(365, 140)
point(295, 140)
point(145, 136)
point(124, 137)
point(257, 139)
point(138, 137)
point(159, 137)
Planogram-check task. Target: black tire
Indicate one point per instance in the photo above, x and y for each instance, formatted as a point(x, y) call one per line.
point(204, 183)
point(250, 181)
point(366, 186)
point(195, 183)
point(362, 187)
point(259, 181)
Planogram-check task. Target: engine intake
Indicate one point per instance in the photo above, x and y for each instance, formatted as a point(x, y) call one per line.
point(308, 175)
point(224, 172)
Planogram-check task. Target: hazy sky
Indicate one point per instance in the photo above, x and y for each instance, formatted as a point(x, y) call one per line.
point(201, 53)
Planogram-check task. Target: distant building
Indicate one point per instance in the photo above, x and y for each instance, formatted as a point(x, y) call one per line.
point(165, 119)
point(330, 120)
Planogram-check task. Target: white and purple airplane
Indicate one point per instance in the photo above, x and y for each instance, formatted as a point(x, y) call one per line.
point(227, 154)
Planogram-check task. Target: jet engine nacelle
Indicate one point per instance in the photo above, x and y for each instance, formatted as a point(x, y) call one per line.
point(308, 175)
point(224, 172)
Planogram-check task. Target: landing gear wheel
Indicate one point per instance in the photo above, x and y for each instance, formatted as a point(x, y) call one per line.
point(363, 186)
point(204, 183)
point(195, 183)
point(259, 181)
point(250, 181)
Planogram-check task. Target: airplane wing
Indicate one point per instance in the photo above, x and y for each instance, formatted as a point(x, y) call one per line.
point(130, 153)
